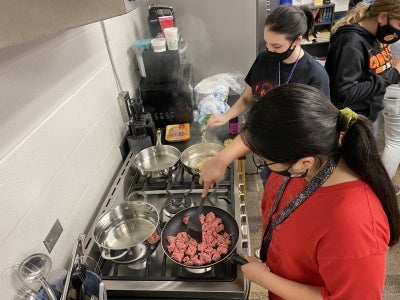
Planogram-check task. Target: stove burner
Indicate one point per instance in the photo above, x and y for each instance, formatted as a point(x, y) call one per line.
point(176, 203)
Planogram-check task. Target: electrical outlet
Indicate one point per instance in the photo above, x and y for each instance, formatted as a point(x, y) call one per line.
point(123, 102)
point(53, 236)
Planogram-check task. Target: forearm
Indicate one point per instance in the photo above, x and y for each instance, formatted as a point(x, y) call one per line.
point(241, 104)
point(233, 151)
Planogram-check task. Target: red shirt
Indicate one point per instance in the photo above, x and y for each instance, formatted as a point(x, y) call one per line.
point(337, 239)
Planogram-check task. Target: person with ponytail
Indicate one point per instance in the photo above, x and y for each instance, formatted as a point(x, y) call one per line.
point(282, 61)
point(330, 211)
point(359, 63)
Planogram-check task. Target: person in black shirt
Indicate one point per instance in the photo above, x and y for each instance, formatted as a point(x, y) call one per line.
point(353, 3)
point(359, 63)
point(283, 61)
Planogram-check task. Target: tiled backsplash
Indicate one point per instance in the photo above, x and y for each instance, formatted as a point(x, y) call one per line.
point(60, 130)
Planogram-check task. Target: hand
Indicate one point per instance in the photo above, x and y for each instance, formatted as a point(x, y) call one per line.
point(253, 269)
point(217, 120)
point(212, 171)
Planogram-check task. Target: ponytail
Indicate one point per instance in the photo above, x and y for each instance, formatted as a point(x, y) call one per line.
point(360, 153)
point(310, 21)
point(353, 16)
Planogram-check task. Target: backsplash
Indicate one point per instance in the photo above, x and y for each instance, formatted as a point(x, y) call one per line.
point(60, 130)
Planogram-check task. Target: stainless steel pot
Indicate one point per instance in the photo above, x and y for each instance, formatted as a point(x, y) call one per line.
point(157, 161)
point(193, 156)
point(129, 232)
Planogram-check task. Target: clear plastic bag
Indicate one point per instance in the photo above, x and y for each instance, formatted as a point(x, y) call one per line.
point(218, 85)
point(211, 105)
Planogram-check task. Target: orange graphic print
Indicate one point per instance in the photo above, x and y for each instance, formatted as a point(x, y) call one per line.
point(379, 61)
point(260, 89)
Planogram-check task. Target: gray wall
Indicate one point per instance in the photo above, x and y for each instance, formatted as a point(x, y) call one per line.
point(221, 34)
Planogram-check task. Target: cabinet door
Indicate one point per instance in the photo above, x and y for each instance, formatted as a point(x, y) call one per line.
point(22, 20)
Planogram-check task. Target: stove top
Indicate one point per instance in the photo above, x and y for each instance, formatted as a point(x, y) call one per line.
point(157, 276)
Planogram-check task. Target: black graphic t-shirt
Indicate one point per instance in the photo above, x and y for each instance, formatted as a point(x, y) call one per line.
point(264, 74)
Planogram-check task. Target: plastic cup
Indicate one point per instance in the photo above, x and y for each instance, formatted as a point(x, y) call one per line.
point(158, 44)
point(171, 36)
point(166, 22)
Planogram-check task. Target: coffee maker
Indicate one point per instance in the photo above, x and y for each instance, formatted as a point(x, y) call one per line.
point(156, 11)
point(167, 89)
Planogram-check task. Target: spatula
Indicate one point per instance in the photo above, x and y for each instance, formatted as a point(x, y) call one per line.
point(194, 228)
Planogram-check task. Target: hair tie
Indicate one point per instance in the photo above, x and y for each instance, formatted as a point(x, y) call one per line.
point(347, 118)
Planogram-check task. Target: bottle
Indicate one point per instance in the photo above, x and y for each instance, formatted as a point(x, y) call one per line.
point(234, 126)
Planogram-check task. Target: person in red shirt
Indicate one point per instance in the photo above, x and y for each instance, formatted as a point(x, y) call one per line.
point(329, 211)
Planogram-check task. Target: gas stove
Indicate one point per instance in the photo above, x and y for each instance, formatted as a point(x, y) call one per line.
point(156, 276)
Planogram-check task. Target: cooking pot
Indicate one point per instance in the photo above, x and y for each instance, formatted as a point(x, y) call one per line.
point(193, 157)
point(176, 225)
point(129, 230)
point(157, 161)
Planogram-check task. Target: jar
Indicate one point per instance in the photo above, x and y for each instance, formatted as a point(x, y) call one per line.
point(234, 126)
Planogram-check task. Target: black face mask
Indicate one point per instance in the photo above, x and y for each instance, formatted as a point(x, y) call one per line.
point(286, 172)
point(278, 57)
point(387, 34)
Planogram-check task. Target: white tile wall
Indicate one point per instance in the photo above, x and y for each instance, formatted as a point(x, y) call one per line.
point(60, 130)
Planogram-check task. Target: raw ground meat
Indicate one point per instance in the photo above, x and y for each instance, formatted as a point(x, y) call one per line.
point(215, 243)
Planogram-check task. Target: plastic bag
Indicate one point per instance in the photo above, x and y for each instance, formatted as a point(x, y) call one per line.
point(218, 85)
point(211, 105)
point(212, 93)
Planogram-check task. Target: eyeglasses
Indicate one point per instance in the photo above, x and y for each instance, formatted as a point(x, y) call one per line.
point(260, 163)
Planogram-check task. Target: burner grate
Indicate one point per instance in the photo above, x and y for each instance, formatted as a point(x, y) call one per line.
point(176, 203)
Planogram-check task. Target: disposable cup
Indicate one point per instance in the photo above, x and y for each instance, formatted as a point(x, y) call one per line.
point(158, 44)
point(171, 36)
point(166, 22)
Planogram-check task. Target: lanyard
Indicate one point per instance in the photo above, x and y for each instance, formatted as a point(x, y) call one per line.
point(278, 72)
point(307, 191)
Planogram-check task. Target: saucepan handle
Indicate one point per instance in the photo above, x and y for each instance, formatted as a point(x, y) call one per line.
point(237, 259)
point(106, 254)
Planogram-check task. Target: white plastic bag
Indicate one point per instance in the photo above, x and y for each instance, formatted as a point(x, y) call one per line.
point(218, 85)
point(212, 105)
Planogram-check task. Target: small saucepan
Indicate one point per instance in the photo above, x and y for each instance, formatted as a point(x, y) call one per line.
point(176, 225)
point(157, 161)
point(193, 157)
point(130, 229)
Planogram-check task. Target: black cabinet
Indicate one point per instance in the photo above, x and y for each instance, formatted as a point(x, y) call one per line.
point(319, 40)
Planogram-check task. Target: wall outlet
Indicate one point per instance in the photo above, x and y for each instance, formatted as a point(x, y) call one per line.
point(53, 236)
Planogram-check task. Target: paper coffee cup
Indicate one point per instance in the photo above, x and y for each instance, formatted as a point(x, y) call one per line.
point(171, 36)
point(166, 22)
point(158, 44)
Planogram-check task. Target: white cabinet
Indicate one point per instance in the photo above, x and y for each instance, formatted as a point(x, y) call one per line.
point(25, 20)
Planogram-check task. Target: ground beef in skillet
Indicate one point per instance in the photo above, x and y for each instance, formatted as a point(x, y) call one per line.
point(215, 243)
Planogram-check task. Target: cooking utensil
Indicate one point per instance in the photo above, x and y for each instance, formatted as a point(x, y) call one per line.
point(129, 228)
point(175, 225)
point(194, 228)
point(34, 269)
point(157, 161)
point(78, 278)
point(77, 251)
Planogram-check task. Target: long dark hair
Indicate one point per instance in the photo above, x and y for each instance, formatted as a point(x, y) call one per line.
point(293, 21)
point(295, 120)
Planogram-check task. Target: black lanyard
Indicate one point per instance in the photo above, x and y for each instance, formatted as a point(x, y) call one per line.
point(307, 191)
